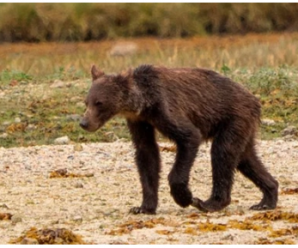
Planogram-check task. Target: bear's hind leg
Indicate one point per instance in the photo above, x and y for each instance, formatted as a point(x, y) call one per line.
point(225, 153)
point(252, 168)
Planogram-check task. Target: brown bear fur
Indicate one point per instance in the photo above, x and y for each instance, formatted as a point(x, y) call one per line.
point(187, 105)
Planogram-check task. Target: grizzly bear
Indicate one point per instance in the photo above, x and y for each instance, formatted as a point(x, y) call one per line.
point(188, 106)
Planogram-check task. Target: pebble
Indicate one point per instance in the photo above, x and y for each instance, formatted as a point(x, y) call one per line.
point(234, 210)
point(78, 147)
point(289, 137)
point(57, 84)
point(17, 120)
point(3, 135)
point(89, 174)
point(77, 218)
point(6, 123)
point(73, 117)
point(16, 219)
point(290, 130)
point(62, 140)
point(4, 206)
point(2, 94)
point(54, 222)
point(268, 122)
point(78, 185)
point(228, 237)
point(30, 127)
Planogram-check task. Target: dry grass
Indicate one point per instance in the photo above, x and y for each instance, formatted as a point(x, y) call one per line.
point(74, 59)
point(266, 64)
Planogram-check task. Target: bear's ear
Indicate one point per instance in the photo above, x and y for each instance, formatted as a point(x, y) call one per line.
point(96, 73)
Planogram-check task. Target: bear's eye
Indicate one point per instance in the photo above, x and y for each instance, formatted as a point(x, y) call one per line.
point(98, 103)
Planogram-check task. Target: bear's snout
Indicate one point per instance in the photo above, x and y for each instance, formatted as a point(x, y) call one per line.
point(84, 123)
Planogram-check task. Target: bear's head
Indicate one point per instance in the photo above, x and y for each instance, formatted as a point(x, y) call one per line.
point(104, 100)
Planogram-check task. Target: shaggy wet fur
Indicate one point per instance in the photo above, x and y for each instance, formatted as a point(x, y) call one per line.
point(189, 106)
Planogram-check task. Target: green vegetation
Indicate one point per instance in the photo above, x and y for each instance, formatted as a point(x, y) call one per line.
point(42, 86)
point(92, 21)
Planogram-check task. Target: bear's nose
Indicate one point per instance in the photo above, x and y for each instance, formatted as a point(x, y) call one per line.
point(84, 123)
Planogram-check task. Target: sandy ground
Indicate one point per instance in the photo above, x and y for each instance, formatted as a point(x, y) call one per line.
point(96, 205)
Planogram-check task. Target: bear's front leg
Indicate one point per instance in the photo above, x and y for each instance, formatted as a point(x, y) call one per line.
point(187, 142)
point(148, 163)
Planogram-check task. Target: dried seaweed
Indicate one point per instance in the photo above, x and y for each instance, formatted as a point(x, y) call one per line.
point(49, 236)
point(131, 225)
point(63, 173)
point(275, 216)
point(5, 216)
point(289, 191)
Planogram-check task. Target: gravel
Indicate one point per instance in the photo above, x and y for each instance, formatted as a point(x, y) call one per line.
point(96, 206)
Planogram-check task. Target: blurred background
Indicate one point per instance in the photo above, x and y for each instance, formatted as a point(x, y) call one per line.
point(35, 22)
point(47, 50)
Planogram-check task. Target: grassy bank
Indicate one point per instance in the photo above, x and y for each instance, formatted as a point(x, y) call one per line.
point(42, 86)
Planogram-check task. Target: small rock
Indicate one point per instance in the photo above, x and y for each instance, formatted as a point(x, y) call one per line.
point(71, 157)
point(57, 84)
point(280, 142)
point(29, 241)
point(289, 137)
point(6, 123)
point(228, 237)
point(290, 130)
point(234, 210)
point(268, 122)
point(4, 206)
point(54, 222)
point(3, 136)
point(89, 174)
point(77, 218)
point(68, 84)
point(2, 94)
point(117, 242)
point(78, 185)
point(17, 120)
point(16, 219)
point(78, 147)
point(30, 127)
point(62, 140)
point(73, 117)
